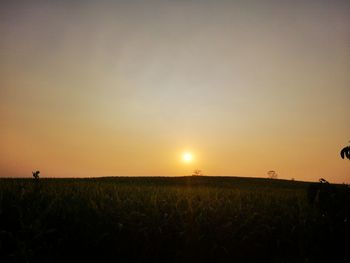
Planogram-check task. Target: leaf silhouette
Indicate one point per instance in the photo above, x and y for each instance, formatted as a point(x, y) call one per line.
point(345, 152)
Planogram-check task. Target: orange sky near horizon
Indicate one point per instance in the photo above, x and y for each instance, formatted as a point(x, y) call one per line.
point(124, 88)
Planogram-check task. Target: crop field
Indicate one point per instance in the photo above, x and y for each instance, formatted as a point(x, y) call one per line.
point(186, 219)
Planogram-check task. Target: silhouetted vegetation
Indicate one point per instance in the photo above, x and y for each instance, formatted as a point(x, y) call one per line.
point(197, 172)
point(345, 152)
point(272, 174)
point(36, 175)
point(186, 219)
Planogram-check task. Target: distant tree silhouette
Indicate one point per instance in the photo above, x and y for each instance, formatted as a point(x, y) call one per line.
point(197, 172)
point(36, 175)
point(272, 174)
point(345, 152)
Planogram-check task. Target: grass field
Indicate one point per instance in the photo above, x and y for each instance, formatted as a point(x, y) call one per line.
point(186, 219)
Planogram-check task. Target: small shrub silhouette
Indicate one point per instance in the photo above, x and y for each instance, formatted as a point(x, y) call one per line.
point(36, 175)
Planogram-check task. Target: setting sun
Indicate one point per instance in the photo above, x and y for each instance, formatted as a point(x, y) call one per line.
point(187, 157)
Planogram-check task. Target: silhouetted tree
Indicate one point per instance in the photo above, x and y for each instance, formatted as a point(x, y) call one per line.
point(272, 174)
point(345, 152)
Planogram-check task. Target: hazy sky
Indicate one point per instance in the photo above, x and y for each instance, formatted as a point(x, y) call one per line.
point(99, 88)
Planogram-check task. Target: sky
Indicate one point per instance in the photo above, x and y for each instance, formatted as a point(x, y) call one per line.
point(124, 88)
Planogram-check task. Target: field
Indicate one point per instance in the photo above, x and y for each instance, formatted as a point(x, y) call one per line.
point(187, 219)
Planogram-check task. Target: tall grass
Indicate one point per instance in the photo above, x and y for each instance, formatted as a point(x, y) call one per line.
point(164, 220)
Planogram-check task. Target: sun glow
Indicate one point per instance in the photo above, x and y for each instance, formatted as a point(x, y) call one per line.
point(187, 157)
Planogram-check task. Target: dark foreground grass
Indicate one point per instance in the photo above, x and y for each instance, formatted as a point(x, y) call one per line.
point(188, 219)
